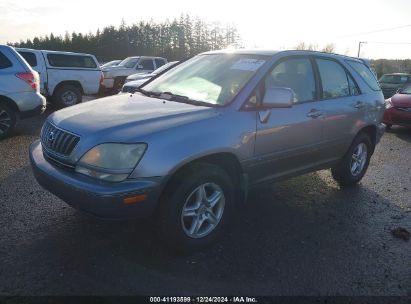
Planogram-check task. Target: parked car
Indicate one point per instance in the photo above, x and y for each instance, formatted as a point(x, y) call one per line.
point(110, 64)
point(136, 80)
point(114, 77)
point(391, 83)
point(65, 77)
point(186, 148)
point(398, 108)
point(19, 90)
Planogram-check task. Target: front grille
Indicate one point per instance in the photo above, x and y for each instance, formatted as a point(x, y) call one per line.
point(58, 141)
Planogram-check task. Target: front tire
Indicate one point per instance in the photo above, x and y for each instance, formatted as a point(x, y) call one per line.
point(67, 95)
point(7, 121)
point(354, 164)
point(196, 209)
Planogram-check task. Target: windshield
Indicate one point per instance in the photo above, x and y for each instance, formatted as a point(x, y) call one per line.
point(164, 67)
point(395, 79)
point(214, 79)
point(129, 62)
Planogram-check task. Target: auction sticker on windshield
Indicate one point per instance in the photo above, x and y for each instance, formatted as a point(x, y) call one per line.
point(247, 64)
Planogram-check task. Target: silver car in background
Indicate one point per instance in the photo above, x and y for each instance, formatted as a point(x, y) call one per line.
point(186, 148)
point(19, 90)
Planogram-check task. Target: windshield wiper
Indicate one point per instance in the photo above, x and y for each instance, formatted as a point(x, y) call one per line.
point(184, 99)
point(146, 93)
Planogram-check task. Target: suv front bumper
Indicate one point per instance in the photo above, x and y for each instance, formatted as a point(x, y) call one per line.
point(103, 199)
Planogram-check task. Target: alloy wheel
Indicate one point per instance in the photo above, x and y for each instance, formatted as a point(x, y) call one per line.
point(203, 210)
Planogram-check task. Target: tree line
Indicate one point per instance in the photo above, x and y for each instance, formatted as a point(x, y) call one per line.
point(175, 40)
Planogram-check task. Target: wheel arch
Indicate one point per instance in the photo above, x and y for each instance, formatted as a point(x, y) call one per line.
point(225, 160)
point(371, 131)
point(10, 103)
point(75, 83)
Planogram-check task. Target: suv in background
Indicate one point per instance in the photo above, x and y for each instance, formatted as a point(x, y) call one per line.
point(114, 77)
point(64, 76)
point(189, 144)
point(391, 83)
point(133, 82)
point(19, 90)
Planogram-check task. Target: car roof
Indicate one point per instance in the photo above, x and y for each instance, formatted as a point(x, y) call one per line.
point(53, 52)
point(268, 52)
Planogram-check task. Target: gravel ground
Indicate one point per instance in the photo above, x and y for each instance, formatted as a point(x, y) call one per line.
point(304, 236)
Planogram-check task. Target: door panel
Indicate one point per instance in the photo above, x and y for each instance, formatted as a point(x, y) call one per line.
point(287, 142)
point(342, 105)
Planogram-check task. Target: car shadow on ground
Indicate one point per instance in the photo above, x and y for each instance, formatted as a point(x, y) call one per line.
point(286, 234)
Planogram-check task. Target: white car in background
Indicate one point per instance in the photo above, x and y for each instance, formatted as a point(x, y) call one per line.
point(65, 77)
point(114, 77)
point(136, 80)
point(110, 64)
point(19, 90)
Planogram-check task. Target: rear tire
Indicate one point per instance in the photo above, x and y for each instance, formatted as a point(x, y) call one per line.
point(7, 121)
point(354, 164)
point(196, 208)
point(67, 95)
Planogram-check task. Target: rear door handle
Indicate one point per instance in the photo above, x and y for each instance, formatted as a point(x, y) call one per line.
point(314, 113)
point(359, 105)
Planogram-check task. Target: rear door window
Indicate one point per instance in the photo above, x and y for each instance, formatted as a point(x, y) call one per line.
point(30, 57)
point(71, 61)
point(334, 79)
point(365, 73)
point(4, 62)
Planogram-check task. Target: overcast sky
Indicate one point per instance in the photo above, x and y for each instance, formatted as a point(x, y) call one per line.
point(263, 24)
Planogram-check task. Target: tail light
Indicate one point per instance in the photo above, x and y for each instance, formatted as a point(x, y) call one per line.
point(31, 78)
point(101, 78)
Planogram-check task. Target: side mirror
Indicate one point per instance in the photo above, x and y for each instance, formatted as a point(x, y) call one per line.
point(399, 91)
point(278, 98)
point(139, 67)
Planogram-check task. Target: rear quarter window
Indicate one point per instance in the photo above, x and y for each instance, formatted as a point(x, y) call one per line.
point(71, 61)
point(4, 62)
point(29, 57)
point(366, 74)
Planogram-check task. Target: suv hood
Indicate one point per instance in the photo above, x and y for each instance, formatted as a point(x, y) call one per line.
point(126, 117)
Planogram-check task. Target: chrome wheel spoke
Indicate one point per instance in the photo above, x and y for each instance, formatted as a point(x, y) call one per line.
point(196, 225)
point(214, 199)
point(201, 194)
point(212, 219)
point(190, 211)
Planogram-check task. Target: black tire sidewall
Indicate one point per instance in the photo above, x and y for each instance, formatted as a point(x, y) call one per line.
point(13, 117)
point(169, 215)
point(60, 91)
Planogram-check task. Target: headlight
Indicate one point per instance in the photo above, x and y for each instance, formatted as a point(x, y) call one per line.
point(388, 103)
point(111, 162)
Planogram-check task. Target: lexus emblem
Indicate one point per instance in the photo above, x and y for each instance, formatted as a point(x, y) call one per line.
point(51, 137)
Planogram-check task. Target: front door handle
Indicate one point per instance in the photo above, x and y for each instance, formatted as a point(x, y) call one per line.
point(314, 113)
point(359, 105)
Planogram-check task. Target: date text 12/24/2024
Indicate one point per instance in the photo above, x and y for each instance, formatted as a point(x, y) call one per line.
point(203, 300)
